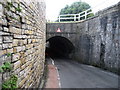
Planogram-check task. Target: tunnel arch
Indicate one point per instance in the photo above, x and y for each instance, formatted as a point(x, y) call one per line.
point(59, 46)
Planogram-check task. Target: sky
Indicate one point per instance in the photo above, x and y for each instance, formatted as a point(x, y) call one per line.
point(53, 7)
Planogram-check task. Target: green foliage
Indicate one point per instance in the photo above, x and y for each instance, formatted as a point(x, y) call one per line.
point(75, 8)
point(9, 5)
point(9, 54)
point(6, 67)
point(1, 70)
point(11, 83)
point(8, 8)
point(18, 9)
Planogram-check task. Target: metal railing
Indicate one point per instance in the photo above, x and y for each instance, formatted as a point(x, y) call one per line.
point(75, 17)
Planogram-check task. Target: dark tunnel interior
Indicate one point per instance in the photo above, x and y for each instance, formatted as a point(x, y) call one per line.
point(59, 47)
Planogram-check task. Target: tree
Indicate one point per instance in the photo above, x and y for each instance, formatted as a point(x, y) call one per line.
point(75, 8)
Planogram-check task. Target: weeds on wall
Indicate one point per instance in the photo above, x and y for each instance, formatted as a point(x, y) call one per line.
point(9, 5)
point(10, 83)
point(6, 67)
point(18, 8)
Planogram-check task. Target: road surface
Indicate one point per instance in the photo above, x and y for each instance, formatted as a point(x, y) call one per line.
point(76, 75)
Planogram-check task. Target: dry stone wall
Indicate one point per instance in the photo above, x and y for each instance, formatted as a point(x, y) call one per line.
point(22, 36)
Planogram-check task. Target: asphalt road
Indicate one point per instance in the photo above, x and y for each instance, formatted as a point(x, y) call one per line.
point(76, 75)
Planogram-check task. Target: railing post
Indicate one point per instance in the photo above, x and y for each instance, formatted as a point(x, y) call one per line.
point(85, 15)
point(79, 17)
point(74, 17)
point(59, 18)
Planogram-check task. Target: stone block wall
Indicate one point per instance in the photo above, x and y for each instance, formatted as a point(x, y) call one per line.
point(99, 39)
point(22, 36)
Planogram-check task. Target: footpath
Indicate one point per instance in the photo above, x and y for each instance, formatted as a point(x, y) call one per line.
point(53, 76)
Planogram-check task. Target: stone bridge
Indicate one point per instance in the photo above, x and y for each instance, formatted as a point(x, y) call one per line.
point(95, 41)
point(64, 35)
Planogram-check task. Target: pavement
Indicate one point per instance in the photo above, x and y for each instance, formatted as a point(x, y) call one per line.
point(53, 76)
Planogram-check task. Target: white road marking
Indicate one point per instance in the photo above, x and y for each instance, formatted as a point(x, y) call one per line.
point(58, 77)
point(52, 61)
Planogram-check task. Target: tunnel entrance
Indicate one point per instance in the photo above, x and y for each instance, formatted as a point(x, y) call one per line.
point(59, 47)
